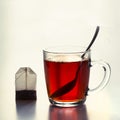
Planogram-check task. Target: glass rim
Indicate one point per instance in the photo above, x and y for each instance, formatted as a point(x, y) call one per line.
point(66, 49)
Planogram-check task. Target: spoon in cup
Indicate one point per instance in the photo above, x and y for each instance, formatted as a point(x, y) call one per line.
point(69, 86)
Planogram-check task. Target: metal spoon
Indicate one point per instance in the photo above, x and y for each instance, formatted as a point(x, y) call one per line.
point(69, 86)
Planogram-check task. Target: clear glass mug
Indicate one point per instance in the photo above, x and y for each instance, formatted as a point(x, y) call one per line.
point(67, 75)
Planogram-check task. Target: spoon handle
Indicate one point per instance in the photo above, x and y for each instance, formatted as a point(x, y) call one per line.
point(93, 39)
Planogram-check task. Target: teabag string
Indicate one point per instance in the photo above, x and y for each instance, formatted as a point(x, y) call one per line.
point(69, 86)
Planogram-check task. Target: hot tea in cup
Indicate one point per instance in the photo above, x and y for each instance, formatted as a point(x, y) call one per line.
point(67, 75)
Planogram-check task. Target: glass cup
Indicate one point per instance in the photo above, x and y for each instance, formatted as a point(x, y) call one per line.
point(67, 75)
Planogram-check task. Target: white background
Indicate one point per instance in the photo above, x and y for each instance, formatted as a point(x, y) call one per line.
point(29, 26)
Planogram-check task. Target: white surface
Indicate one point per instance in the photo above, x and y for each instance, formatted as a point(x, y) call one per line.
point(28, 26)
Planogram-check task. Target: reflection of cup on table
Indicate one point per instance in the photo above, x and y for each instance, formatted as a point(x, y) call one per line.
point(67, 75)
point(68, 113)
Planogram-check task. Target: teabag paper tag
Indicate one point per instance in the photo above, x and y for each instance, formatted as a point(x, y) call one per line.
point(25, 84)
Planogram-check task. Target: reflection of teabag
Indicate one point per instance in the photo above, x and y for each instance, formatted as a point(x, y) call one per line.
point(25, 83)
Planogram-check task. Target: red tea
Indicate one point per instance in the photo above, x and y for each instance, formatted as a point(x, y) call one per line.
point(72, 76)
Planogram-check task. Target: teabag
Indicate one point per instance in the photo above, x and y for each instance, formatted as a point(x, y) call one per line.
point(25, 83)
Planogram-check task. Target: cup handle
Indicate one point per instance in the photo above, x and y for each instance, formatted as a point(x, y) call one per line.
point(107, 72)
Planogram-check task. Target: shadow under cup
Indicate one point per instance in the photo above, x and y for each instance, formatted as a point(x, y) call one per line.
point(67, 75)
